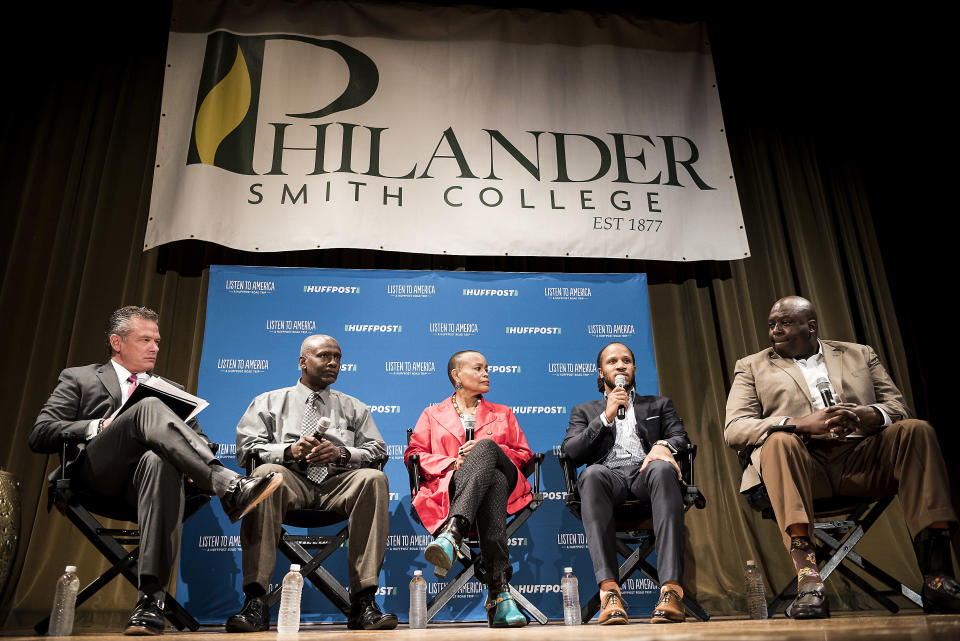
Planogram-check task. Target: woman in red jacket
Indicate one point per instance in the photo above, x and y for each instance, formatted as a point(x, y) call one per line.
point(472, 481)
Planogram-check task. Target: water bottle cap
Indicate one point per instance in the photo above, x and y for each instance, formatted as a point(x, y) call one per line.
point(294, 567)
point(568, 570)
point(751, 562)
point(71, 569)
point(418, 573)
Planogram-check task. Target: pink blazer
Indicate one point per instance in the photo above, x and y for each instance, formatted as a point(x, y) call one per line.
point(437, 437)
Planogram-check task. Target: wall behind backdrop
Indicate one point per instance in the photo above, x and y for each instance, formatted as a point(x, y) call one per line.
point(831, 213)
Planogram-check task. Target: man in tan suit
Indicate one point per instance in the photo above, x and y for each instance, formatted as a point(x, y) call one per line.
point(816, 418)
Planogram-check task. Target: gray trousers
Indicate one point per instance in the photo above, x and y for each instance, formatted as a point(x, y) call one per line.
point(360, 495)
point(602, 488)
point(141, 459)
point(478, 492)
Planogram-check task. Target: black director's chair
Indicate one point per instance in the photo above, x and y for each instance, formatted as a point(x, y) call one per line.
point(835, 539)
point(297, 548)
point(79, 505)
point(634, 522)
point(470, 547)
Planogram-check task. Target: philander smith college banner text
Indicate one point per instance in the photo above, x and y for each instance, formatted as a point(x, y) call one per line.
point(442, 130)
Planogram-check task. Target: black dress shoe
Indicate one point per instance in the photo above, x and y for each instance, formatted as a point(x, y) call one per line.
point(366, 615)
point(941, 595)
point(245, 492)
point(254, 617)
point(811, 604)
point(146, 618)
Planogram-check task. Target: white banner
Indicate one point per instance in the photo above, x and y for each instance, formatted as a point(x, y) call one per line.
point(442, 130)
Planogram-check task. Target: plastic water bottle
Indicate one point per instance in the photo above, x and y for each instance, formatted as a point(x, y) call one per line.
point(418, 601)
point(570, 588)
point(64, 603)
point(289, 620)
point(756, 599)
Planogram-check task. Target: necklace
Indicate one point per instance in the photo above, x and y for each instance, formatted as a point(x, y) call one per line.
point(456, 405)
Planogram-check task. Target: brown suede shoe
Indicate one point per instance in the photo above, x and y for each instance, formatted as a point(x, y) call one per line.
point(612, 610)
point(669, 609)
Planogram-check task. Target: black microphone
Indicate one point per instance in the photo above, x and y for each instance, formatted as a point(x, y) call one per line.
point(470, 421)
point(620, 380)
point(823, 385)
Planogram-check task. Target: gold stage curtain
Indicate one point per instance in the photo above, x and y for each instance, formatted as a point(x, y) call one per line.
point(77, 163)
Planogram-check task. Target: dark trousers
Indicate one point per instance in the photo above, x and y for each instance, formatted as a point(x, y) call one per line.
point(603, 488)
point(141, 458)
point(478, 492)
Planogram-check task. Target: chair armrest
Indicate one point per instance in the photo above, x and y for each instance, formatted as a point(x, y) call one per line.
point(533, 467)
point(685, 457)
point(692, 497)
point(413, 472)
point(569, 478)
point(252, 463)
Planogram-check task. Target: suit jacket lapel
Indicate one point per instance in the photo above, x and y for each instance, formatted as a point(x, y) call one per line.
point(833, 359)
point(791, 368)
point(108, 376)
point(641, 412)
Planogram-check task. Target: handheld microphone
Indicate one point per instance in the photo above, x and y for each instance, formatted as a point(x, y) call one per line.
point(620, 381)
point(470, 421)
point(322, 426)
point(823, 386)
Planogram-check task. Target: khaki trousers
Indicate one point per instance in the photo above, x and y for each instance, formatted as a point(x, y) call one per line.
point(360, 495)
point(904, 459)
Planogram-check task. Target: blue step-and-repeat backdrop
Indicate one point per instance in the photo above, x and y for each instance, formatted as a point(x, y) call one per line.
point(540, 334)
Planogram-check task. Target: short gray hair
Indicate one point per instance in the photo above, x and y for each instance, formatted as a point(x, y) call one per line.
point(119, 322)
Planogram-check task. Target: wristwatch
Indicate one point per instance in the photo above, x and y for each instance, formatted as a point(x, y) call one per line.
point(344, 457)
point(667, 445)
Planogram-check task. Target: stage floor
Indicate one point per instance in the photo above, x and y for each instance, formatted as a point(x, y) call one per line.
point(842, 627)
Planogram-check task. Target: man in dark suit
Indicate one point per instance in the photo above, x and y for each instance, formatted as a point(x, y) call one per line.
point(814, 418)
point(629, 456)
point(139, 456)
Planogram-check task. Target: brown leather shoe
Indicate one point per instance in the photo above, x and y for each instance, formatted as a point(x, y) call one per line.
point(612, 610)
point(669, 609)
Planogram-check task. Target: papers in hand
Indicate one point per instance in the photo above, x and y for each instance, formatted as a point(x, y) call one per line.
point(183, 404)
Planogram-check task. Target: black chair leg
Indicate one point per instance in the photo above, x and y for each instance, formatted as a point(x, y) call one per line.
point(108, 543)
point(294, 548)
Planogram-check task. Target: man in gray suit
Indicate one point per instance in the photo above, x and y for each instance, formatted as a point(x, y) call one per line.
point(139, 456)
point(813, 418)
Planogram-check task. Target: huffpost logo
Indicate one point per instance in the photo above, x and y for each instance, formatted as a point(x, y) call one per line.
point(225, 120)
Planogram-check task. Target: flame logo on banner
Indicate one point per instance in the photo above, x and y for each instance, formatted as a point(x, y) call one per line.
point(222, 110)
point(225, 118)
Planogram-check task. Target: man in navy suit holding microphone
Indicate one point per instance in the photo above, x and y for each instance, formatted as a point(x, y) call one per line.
point(628, 442)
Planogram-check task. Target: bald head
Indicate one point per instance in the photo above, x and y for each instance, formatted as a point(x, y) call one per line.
point(792, 326)
point(311, 342)
point(798, 305)
point(319, 361)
